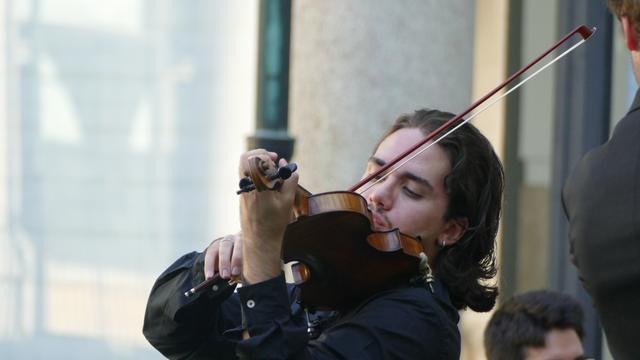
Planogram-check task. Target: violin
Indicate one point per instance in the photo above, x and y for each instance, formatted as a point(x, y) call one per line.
point(324, 241)
point(326, 261)
point(338, 258)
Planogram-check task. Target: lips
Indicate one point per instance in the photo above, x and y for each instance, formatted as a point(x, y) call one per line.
point(380, 222)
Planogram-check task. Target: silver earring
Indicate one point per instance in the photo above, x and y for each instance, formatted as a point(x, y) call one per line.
point(444, 243)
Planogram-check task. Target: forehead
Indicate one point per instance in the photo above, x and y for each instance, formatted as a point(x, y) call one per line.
point(395, 144)
point(405, 137)
point(559, 344)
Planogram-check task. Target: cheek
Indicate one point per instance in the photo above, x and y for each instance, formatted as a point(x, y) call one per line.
point(419, 218)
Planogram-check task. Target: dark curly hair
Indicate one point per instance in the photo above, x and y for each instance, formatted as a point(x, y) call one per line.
point(474, 187)
point(524, 320)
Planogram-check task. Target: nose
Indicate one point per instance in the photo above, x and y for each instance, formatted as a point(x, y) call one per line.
point(381, 195)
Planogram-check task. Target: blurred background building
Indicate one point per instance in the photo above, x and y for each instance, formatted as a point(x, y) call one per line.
point(121, 123)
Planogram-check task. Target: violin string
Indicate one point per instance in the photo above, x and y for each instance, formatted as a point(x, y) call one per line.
point(487, 106)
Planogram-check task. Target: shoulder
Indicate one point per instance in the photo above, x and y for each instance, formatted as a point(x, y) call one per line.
point(408, 322)
point(601, 198)
point(607, 174)
point(619, 150)
point(417, 305)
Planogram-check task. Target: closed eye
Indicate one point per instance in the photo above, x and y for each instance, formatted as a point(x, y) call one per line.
point(412, 194)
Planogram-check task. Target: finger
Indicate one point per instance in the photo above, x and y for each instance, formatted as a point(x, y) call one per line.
point(290, 186)
point(224, 257)
point(244, 159)
point(259, 152)
point(236, 258)
point(210, 259)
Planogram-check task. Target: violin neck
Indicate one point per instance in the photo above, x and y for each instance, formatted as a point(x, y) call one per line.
point(301, 203)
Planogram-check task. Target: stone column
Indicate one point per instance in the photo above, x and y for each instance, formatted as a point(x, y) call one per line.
point(357, 65)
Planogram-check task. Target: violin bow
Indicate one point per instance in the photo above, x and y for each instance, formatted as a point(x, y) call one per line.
point(451, 125)
point(455, 123)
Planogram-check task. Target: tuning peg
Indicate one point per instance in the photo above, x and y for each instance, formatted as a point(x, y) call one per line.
point(284, 172)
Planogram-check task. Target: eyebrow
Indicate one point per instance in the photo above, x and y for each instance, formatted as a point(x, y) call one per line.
point(408, 175)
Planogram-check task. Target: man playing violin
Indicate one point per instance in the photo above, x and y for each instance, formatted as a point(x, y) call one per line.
point(448, 197)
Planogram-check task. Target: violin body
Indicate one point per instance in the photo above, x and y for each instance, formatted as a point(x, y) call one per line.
point(344, 260)
point(340, 259)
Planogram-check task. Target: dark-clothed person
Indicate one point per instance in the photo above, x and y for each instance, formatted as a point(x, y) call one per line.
point(602, 201)
point(448, 198)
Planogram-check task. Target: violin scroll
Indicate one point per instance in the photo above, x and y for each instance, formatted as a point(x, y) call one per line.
point(264, 175)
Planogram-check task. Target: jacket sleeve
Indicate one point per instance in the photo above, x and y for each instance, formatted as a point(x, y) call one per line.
point(191, 328)
point(277, 329)
point(210, 324)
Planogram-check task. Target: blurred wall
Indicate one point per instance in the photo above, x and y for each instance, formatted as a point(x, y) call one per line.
point(534, 152)
point(356, 67)
point(121, 121)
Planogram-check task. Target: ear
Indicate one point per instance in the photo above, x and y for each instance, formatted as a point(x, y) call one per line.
point(454, 230)
point(629, 31)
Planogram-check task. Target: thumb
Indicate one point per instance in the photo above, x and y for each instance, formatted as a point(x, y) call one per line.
point(290, 185)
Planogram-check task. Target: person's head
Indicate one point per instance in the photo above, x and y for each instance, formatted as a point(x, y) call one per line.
point(628, 12)
point(449, 196)
point(536, 325)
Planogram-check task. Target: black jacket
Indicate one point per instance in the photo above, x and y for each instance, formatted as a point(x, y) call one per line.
point(407, 323)
point(602, 202)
